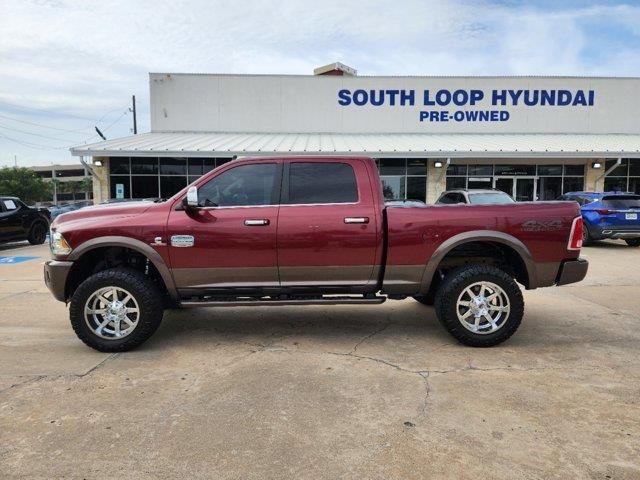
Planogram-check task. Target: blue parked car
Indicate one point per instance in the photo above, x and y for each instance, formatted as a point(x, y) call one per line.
point(609, 215)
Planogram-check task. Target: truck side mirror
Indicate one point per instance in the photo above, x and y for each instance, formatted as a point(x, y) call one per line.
point(191, 200)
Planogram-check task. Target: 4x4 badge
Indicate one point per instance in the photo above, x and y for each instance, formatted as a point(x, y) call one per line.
point(182, 241)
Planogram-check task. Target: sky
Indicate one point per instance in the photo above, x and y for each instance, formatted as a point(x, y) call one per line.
point(68, 66)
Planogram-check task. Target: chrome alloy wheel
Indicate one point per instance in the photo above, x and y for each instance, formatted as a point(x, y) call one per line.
point(112, 313)
point(483, 308)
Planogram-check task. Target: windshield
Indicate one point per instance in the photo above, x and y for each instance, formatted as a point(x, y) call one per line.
point(489, 197)
point(621, 201)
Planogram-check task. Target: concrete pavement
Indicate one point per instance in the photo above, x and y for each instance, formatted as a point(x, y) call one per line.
point(317, 392)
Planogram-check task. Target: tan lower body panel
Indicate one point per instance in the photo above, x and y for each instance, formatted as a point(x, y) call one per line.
point(226, 277)
point(204, 278)
point(404, 279)
point(353, 275)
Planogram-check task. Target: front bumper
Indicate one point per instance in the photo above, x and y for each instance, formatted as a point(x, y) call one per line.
point(572, 271)
point(55, 277)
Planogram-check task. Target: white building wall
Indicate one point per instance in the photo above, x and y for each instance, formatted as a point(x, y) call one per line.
point(285, 103)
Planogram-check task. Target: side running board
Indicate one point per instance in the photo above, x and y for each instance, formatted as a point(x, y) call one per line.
point(251, 302)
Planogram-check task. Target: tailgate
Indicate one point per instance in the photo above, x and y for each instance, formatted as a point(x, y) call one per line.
point(623, 210)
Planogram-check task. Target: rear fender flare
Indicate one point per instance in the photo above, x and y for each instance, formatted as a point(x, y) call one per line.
point(133, 244)
point(479, 236)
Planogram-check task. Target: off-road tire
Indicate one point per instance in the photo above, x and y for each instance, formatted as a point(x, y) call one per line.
point(456, 282)
point(140, 286)
point(633, 242)
point(37, 233)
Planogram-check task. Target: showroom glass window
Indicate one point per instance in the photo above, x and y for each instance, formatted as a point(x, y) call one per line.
point(403, 178)
point(552, 180)
point(156, 177)
point(624, 178)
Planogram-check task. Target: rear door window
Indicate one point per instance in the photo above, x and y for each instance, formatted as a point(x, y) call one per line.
point(321, 182)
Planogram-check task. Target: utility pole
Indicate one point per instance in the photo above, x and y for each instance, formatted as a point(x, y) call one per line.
point(15, 161)
point(135, 120)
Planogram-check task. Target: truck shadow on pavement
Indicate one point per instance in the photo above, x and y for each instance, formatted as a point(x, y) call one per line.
point(270, 325)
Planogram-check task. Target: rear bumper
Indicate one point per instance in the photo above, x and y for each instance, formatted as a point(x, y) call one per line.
point(572, 271)
point(621, 234)
point(55, 277)
point(624, 232)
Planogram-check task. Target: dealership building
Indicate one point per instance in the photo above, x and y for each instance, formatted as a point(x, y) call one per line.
point(533, 137)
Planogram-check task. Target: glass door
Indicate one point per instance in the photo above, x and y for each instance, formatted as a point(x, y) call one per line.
point(521, 189)
point(504, 184)
point(525, 190)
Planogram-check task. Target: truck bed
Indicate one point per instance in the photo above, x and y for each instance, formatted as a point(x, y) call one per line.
point(423, 235)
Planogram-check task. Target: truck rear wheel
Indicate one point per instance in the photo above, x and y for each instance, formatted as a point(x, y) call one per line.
point(116, 310)
point(480, 305)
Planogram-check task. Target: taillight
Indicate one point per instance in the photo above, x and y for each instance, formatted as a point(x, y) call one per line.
point(575, 237)
point(603, 211)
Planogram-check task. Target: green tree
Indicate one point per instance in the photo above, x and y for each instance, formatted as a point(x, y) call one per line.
point(76, 186)
point(87, 184)
point(24, 184)
point(72, 187)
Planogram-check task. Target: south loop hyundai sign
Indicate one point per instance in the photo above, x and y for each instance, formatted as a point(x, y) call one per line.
point(479, 105)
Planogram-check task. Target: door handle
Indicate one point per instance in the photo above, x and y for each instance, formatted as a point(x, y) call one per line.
point(356, 219)
point(256, 222)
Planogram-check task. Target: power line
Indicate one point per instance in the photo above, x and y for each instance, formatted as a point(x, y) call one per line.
point(35, 109)
point(30, 144)
point(116, 120)
point(74, 131)
point(40, 135)
point(77, 131)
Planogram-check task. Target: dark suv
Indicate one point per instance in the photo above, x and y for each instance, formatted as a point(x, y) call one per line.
point(19, 222)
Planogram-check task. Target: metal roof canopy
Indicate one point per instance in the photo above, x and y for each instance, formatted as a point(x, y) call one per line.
point(420, 145)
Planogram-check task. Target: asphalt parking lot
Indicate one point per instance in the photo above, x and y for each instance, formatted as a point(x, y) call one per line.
point(342, 392)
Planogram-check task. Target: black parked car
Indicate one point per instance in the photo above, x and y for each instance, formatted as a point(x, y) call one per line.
point(19, 222)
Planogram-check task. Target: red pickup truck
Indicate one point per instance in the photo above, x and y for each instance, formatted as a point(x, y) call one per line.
point(305, 231)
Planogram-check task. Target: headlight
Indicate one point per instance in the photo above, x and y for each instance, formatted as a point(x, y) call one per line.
point(58, 244)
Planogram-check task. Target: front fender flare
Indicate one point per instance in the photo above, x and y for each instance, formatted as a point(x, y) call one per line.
point(133, 244)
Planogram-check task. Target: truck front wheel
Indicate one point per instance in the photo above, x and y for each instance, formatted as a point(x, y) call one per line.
point(480, 305)
point(116, 310)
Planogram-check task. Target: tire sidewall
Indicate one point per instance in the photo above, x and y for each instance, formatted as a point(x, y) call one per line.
point(30, 237)
point(586, 236)
point(461, 278)
point(139, 286)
